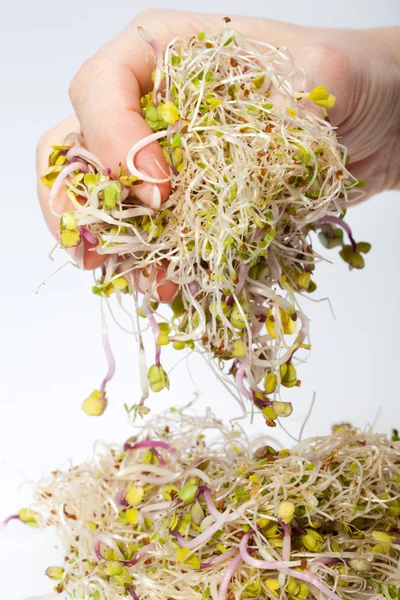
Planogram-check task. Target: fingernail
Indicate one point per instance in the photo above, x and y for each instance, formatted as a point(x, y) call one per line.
point(149, 194)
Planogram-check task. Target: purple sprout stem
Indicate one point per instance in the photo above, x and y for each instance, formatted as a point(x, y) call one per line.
point(218, 559)
point(138, 556)
point(88, 236)
point(96, 547)
point(203, 537)
point(240, 373)
point(340, 223)
point(280, 566)
point(132, 592)
point(120, 498)
point(203, 489)
point(287, 541)
point(229, 573)
point(150, 444)
point(10, 518)
point(160, 459)
point(108, 352)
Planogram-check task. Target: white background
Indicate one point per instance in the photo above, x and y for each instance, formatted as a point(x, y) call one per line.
point(51, 356)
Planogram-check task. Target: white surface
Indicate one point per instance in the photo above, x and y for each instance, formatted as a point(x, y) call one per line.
point(51, 356)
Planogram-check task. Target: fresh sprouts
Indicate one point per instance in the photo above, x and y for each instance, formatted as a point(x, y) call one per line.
point(255, 167)
point(195, 510)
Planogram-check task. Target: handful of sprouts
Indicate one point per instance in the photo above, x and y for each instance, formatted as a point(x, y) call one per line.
point(195, 510)
point(254, 168)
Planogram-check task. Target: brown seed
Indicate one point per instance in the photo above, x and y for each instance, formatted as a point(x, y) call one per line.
point(209, 45)
point(227, 19)
point(303, 563)
point(246, 93)
point(270, 423)
point(233, 62)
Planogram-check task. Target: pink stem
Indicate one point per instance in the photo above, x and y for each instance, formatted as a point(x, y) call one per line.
point(160, 459)
point(154, 325)
point(229, 573)
point(120, 498)
point(209, 501)
point(203, 537)
point(108, 352)
point(340, 223)
point(282, 568)
point(287, 542)
point(96, 546)
point(10, 518)
point(240, 381)
point(86, 234)
point(218, 559)
point(138, 556)
point(150, 444)
point(133, 593)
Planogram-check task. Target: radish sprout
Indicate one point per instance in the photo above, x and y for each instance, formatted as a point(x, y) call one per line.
point(318, 521)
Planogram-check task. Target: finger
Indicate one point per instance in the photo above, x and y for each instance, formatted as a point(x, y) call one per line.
point(106, 96)
point(55, 136)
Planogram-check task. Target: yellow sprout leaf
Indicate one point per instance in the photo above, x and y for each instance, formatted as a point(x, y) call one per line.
point(55, 573)
point(286, 511)
point(273, 585)
point(50, 175)
point(169, 112)
point(192, 561)
point(29, 517)
point(95, 404)
point(68, 220)
point(70, 238)
point(131, 515)
point(120, 283)
point(321, 97)
point(134, 495)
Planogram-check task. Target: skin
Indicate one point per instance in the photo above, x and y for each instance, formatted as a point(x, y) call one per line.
point(360, 67)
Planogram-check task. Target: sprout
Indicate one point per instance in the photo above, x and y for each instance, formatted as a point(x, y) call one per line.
point(254, 173)
point(283, 524)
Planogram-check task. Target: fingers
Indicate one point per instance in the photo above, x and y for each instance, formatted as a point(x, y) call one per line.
point(106, 97)
point(55, 136)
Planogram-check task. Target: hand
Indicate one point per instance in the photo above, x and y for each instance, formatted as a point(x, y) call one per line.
point(361, 68)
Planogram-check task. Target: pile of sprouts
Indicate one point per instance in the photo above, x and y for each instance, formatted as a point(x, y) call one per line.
point(196, 510)
point(255, 167)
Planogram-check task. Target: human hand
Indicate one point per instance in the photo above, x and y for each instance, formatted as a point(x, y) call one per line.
point(359, 67)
